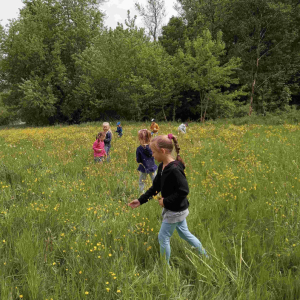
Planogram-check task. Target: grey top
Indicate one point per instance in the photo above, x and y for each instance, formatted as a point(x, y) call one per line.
point(170, 216)
point(182, 127)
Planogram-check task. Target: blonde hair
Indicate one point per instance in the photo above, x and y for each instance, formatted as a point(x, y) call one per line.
point(168, 142)
point(144, 135)
point(107, 124)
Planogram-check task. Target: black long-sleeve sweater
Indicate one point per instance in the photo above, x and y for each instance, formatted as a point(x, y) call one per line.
point(172, 184)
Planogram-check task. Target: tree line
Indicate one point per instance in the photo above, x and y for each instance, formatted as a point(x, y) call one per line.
point(216, 59)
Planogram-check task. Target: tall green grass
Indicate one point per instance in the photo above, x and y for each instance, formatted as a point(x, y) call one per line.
point(67, 232)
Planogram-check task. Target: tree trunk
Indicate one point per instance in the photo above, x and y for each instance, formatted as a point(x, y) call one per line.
point(253, 85)
point(256, 70)
point(206, 105)
point(201, 110)
point(174, 109)
point(163, 110)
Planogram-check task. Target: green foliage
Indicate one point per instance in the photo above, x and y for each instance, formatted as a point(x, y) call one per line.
point(38, 105)
point(173, 35)
point(105, 70)
point(4, 114)
point(40, 48)
point(205, 73)
point(216, 59)
point(156, 80)
point(263, 34)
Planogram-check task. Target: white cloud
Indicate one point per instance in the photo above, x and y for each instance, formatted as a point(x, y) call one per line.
point(9, 10)
point(116, 10)
point(117, 18)
point(120, 7)
point(112, 3)
point(127, 4)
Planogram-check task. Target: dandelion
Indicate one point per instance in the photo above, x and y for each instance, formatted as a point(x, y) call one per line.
point(86, 292)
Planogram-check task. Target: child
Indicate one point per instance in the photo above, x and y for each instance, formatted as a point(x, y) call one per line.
point(98, 146)
point(144, 158)
point(171, 182)
point(119, 129)
point(107, 140)
point(182, 127)
point(154, 127)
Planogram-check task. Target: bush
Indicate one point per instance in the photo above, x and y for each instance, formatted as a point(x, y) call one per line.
point(5, 116)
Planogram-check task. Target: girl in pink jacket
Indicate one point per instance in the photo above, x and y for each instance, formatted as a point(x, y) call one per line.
point(98, 147)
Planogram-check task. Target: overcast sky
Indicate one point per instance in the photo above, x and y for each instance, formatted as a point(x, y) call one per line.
point(116, 10)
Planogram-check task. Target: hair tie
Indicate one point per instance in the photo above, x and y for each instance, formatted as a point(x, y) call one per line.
point(170, 136)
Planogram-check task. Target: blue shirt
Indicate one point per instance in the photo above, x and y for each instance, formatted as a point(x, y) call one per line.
point(107, 139)
point(145, 159)
point(119, 131)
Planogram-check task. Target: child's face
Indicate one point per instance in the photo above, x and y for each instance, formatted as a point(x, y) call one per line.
point(102, 138)
point(105, 128)
point(142, 142)
point(156, 153)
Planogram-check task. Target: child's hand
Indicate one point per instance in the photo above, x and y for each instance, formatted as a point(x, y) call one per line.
point(134, 204)
point(161, 202)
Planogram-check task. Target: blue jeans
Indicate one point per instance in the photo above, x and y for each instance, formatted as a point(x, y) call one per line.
point(99, 159)
point(166, 231)
point(142, 179)
point(107, 148)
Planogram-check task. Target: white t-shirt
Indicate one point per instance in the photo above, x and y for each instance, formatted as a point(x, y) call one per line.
point(182, 128)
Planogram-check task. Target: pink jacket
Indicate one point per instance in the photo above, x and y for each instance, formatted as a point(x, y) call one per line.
point(97, 146)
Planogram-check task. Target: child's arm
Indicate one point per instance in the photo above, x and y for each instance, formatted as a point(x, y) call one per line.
point(95, 147)
point(138, 157)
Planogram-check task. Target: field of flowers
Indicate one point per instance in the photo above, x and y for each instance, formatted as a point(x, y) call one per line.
point(67, 232)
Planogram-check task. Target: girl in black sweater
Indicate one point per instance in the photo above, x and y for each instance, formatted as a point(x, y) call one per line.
point(171, 182)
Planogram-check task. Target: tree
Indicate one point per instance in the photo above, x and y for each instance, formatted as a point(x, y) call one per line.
point(203, 15)
point(39, 54)
point(173, 35)
point(153, 15)
point(263, 34)
point(156, 80)
point(104, 71)
point(205, 74)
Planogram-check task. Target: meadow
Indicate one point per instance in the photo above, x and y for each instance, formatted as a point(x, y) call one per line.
point(67, 233)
